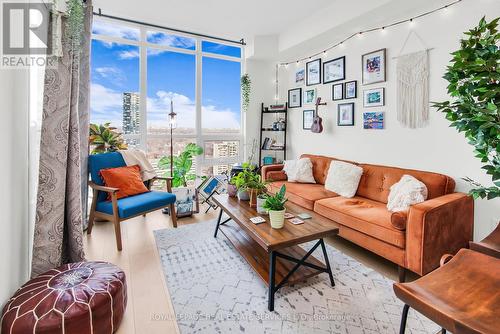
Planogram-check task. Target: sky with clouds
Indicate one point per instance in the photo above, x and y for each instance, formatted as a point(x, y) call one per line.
point(171, 76)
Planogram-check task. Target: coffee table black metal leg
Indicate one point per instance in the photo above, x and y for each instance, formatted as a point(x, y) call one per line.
point(327, 262)
point(218, 223)
point(272, 271)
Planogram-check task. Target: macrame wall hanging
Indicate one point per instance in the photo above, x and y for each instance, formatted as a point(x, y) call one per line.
point(413, 86)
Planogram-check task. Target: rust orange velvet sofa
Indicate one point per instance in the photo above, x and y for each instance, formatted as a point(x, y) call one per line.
point(415, 239)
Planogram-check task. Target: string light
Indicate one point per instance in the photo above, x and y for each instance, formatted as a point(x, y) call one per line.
point(382, 29)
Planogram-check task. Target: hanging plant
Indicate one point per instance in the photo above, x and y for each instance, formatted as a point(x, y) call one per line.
point(245, 91)
point(75, 10)
point(474, 77)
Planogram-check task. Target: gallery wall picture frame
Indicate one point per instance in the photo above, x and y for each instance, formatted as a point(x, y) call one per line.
point(313, 72)
point(373, 67)
point(307, 119)
point(334, 70)
point(300, 76)
point(373, 120)
point(310, 96)
point(295, 98)
point(374, 97)
point(345, 114)
point(351, 89)
point(337, 92)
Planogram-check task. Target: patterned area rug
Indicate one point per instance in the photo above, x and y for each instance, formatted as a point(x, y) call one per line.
point(214, 290)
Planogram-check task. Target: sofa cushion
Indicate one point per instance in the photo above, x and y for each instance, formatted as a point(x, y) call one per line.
point(321, 164)
point(302, 194)
point(377, 180)
point(363, 215)
point(134, 205)
point(343, 178)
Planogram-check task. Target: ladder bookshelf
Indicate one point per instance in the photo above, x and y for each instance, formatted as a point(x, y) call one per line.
point(272, 134)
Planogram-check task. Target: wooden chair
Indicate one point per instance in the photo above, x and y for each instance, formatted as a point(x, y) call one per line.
point(489, 245)
point(118, 210)
point(462, 296)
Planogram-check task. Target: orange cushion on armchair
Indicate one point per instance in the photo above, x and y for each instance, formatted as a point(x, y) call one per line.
point(127, 179)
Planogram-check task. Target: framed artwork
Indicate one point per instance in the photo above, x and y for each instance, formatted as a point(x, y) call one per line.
point(373, 67)
point(307, 119)
point(373, 120)
point(313, 72)
point(374, 97)
point(295, 98)
point(345, 115)
point(334, 70)
point(300, 76)
point(310, 96)
point(351, 90)
point(337, 92)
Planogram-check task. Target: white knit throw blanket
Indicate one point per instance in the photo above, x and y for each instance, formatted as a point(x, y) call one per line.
point(413, 89)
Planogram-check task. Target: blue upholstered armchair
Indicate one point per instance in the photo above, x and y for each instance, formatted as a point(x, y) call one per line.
point(121, 209)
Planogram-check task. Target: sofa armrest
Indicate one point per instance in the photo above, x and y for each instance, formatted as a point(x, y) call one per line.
point(439, 226)
point(273, 173)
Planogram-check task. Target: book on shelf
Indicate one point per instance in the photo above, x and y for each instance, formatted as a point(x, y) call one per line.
point(276, 107)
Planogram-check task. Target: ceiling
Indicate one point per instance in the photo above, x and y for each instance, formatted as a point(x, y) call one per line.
point(234, 19)
point(297, 23)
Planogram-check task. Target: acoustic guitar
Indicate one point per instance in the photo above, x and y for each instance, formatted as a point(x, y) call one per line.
point(317, 126)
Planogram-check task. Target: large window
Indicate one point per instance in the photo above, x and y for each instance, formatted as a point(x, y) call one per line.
point(137, 73)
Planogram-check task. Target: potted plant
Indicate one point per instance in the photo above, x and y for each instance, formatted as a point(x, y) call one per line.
point(261, 199)
point(103, 138)
point(474, 109)
point(182, 165)
point(255, 187)
point(275, 204)
point(242, 179)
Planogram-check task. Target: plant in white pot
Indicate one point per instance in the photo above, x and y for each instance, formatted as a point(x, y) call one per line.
point(275, 204)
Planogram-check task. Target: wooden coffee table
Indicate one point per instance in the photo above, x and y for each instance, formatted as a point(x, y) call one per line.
point(275, 254)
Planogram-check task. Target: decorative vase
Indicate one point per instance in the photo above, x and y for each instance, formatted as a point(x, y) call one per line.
point(277, 218)
point(243, 195)
point(254, 193)
point(260, 206)
point(232, 190)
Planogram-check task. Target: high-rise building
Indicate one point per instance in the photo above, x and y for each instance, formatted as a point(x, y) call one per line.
point(131, 113)
point(225, 149)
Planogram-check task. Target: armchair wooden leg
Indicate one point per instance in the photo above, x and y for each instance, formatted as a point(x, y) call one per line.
point(118, 234)
point(91, 221)
point(401, 274)
point(173, 215)
point(95, 193)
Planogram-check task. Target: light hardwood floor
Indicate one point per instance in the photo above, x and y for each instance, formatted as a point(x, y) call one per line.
point(149, 309)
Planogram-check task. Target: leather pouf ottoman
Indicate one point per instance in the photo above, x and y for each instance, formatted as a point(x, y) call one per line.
point(77, 298)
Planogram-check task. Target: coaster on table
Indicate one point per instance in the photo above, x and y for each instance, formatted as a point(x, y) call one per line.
point(304, 216)
point(296, 221)
point(289, 215)
point(257, 220)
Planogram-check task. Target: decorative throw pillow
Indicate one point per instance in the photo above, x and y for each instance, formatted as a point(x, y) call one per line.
point(343, 178)
point(406, 192)
point(128, 179)
point(299, 170)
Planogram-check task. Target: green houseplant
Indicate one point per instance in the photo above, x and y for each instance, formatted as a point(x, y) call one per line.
point(275, 204)
point(473, 77)
point(182, 165)
point(103, 138)
point(243, 179)
point(246, 84)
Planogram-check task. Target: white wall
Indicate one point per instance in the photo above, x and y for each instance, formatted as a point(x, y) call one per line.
point(262, 74)
point(14, 240)
point(436, 147)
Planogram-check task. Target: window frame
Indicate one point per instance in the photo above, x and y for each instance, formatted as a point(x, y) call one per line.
point(143, 44)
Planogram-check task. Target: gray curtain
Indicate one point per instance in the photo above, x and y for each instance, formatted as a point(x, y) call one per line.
point(61, 197)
